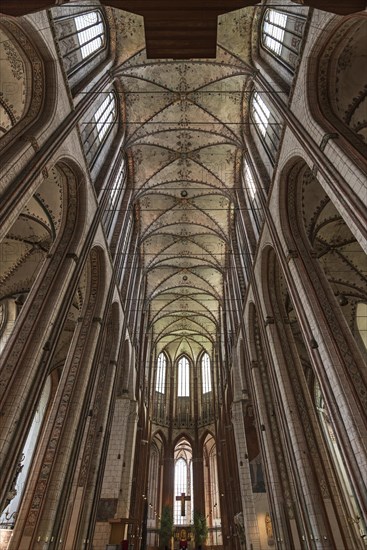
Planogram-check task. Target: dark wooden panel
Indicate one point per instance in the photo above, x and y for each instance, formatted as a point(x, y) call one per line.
point(188, 37)
point(170, 25)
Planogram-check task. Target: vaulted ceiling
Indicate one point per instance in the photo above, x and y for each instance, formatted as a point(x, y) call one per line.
point(184, 140)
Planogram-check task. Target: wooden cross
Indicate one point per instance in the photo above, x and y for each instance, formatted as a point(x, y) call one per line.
point(183, 498)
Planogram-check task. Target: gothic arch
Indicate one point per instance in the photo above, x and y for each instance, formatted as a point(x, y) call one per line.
point(78, 369)
point(82, 51)
point(311, 223)
point(161, 435)
point(51, 221)
point(48, 218)
point(183, 435)
point(337, 65)
point(281, 66)
point(329, 265)
point(29, 70)
point(298, 408)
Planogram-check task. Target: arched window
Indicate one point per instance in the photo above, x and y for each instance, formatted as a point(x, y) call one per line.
point(266, 125)
point(183, 494)
point(282, 35)
point(80, 37)
point(252, 198)
point(115, 194)
point(205, 374)
point(160, 385)
point(95, 132)
point(183, 377)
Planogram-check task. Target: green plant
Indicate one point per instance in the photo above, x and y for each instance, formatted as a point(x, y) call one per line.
point(166, 527)
point(200, 528)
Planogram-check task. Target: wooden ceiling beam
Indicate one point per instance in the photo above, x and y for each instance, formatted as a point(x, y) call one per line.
point(181, 30)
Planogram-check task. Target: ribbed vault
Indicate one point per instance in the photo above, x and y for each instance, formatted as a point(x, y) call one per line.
point(184, 140)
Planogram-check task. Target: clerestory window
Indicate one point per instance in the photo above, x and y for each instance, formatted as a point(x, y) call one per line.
point(282, 34)
point(80, 37)
point(266, 125)
point(205, 374)
point(161, 373)
point(116, 192)
point(183, 377)
point(96, 131)
point(252, 197)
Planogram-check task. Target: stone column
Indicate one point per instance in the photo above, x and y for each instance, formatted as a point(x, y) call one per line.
point(305, 461)
point(87, 480)
point(127, 412)
point(28, 355)
point(48, 485)
point(251, 530)
point(275, 463)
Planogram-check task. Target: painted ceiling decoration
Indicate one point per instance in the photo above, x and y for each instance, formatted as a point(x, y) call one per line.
point(185, 141)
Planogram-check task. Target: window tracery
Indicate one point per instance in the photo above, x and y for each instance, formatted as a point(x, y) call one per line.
point(266, 125)
point(205, 374)
point(282, 34)
point(115, 195)
point(96, 132)
point(252, 197)
point(183, 378)
point(80, 37)
point(161, 374)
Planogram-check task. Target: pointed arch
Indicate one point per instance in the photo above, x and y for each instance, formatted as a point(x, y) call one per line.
point(183, 376)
